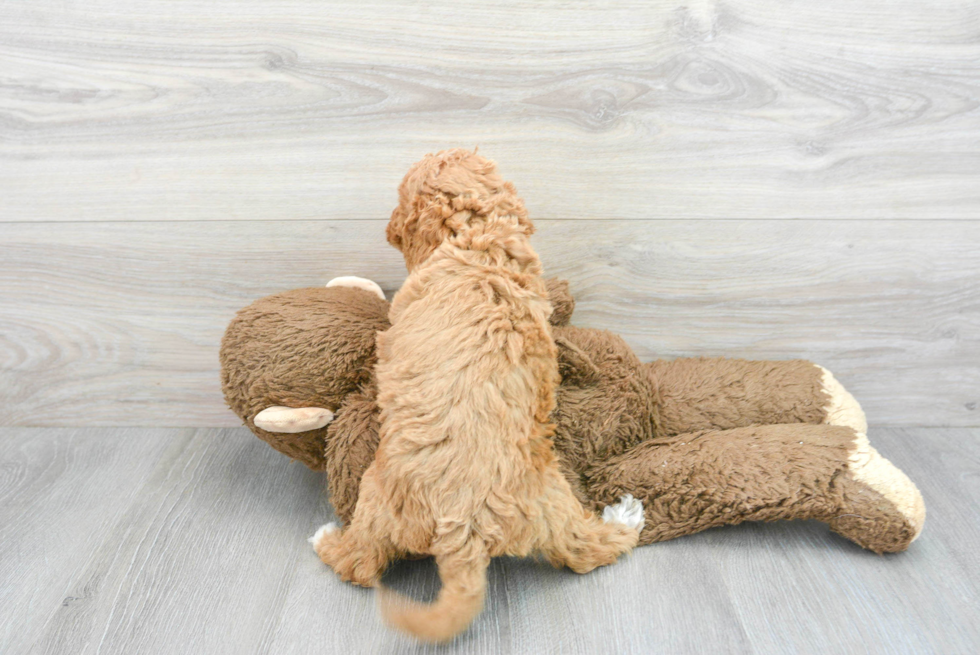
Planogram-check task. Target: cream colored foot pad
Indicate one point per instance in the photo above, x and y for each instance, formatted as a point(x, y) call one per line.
point(290, 420)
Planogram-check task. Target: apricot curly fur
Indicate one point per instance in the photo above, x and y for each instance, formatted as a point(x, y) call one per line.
point(466, 375)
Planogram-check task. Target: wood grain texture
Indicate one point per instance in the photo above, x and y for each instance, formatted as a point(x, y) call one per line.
point(308, 109)
point(179, 541)
point(119, 324)
point(63, 494)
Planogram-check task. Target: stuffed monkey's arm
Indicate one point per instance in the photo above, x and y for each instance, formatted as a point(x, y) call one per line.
point(720, 394)
point(562, 302)
point(350, 446)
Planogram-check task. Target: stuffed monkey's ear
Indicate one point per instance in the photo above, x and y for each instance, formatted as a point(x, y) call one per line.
point(574, 365)
point(562, 302)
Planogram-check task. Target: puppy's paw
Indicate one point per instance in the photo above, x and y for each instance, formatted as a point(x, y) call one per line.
point(358, 283)
point(322, 533)
point(628, 511)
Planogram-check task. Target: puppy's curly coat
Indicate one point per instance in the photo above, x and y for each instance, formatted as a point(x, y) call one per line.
point(465, 469)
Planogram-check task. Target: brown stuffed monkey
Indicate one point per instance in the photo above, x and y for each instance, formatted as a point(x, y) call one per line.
point(701, 442)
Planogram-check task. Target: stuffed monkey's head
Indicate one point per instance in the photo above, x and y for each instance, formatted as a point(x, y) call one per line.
point(439, 195)
point(301, 348)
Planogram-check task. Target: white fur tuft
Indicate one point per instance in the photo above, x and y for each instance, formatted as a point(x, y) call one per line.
point(322, 532)
point(628, 511)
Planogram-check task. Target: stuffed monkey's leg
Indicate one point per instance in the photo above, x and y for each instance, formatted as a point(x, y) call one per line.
point(696, 481)
point(876, 480)
point(359, 553)
point(720, 394)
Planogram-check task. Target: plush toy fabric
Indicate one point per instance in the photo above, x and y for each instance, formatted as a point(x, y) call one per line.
point(702, 442)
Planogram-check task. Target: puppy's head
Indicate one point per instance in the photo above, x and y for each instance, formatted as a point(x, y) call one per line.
point(439, 195)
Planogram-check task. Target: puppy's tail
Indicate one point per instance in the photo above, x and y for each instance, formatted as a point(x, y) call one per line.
point(464, 585)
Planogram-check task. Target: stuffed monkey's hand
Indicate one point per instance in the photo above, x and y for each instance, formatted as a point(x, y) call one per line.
point(290, 420)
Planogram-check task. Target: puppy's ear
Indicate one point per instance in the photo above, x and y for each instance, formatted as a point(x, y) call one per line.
point(395, 226)
point(419, 226)
point(514, 205)
point(432, 211)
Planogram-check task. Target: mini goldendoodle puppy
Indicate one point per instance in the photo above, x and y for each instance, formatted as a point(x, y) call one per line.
point(465, 469)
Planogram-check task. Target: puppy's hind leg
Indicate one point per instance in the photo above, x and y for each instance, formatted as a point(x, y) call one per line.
point(361, 552)
point(577, 538)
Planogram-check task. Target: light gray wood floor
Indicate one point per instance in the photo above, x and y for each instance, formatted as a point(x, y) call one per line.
point(135, 540)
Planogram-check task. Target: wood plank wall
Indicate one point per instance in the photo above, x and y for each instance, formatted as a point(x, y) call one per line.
point(750, 178)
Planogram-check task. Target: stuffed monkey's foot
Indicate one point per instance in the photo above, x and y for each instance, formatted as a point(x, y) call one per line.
point(628, 511)
point(291, 420)
point(872, 520)
point(883, 510)
point(842, 409)
point(358, 283)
